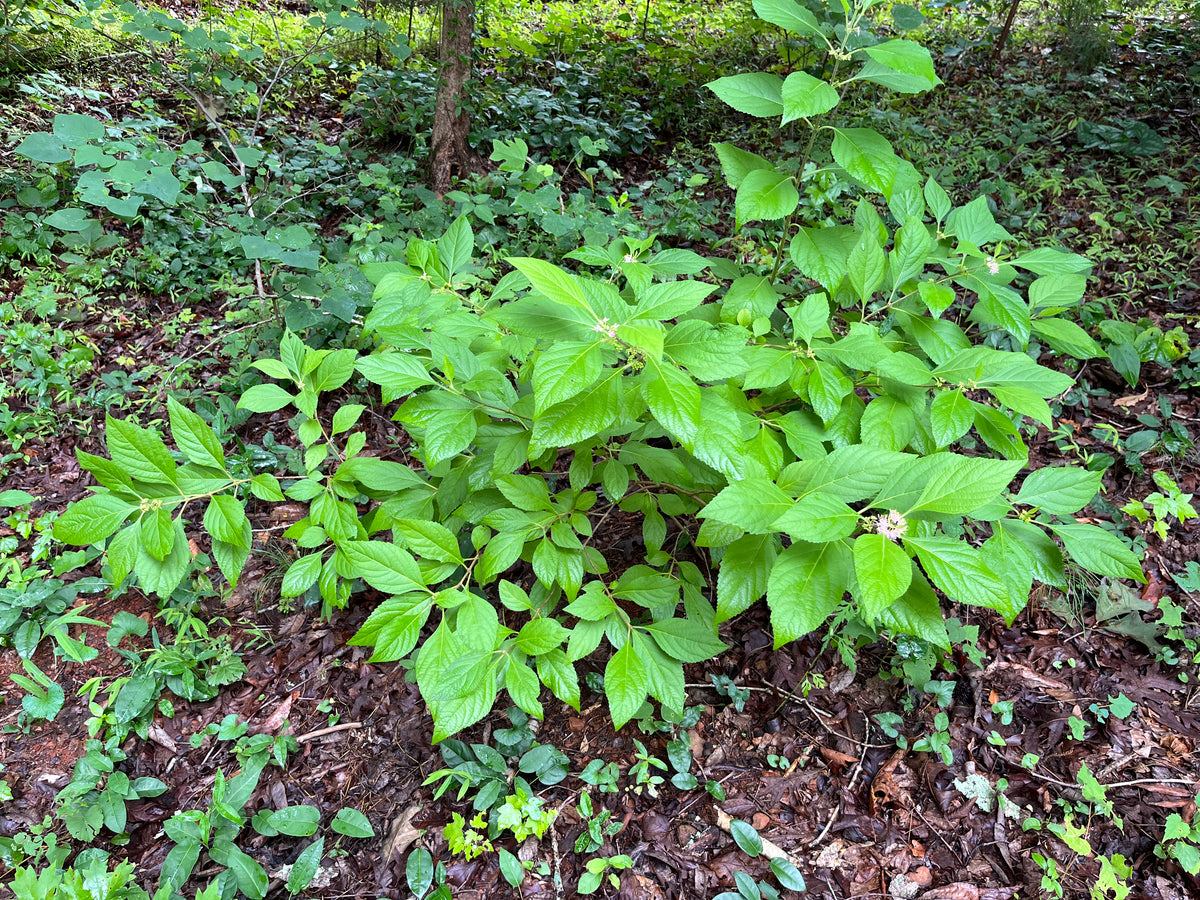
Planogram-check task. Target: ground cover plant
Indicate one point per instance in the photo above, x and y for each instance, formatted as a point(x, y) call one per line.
point(729, 493)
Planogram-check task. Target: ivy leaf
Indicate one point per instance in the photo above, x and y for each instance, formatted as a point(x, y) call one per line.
point(626, 684)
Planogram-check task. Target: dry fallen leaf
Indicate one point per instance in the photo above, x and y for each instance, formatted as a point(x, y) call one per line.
point(1132, 399)
point(402, 834)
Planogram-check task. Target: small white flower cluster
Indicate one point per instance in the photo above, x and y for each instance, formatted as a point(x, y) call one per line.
point(892, 526)
point(993, 266)
point(605, 328)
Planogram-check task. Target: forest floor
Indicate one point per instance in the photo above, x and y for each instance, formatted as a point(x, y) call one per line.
point(1103, 677)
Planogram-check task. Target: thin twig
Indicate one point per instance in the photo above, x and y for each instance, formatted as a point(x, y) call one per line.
point(321, 732)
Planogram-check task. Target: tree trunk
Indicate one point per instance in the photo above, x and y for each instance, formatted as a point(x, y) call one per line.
point(451, 156)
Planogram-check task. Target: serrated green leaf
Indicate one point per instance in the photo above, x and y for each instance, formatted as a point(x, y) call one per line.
point(883, 571)
point(804, 96)
point(385, 567)
point(673, 398)
point(685, 640)
point(867, 157)
point(737, 163)
point(626, 684)
point(818, 518)
point(752, 504)
point(194, 437)
point(92, 519)
point(563, 370)
point(557, 673)
point(960, 572)
point(806, 585)
point(1099, 551)
point(755, 93)
point(541, 635)
point(964, 483)
point(1061, 490)
point(765, 195)
point(951, 415)
point(788, 15)
point(139, 451)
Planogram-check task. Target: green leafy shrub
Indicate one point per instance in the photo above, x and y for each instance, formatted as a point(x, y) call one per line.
point(837, 430)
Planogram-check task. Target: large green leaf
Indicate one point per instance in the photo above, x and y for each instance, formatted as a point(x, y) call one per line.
point(92, 519)
point(139, 451)
point(626, 682)
point(821, 253)
point(685, 640)
point(551, 282)
point(399, 374)
point(564, 369)
point(961, 573)
point(884, 573)
point(951, 415)
point(867, 157)
point(673, 398)
point(752, 504)
point(755, 93)
point(737, 163)
point(745, 568)
point(908, 58)
point(788, 15)
point(806, 585)
point(818, 518)
point(393, 628)
point(962, 484)
point(1061, 490)
point(385, 567)
point(805, 95)
point(1100, 551)
point(767, 195)
point(194, 437)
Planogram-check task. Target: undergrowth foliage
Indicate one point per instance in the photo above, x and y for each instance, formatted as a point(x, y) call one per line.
point(839, 431)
